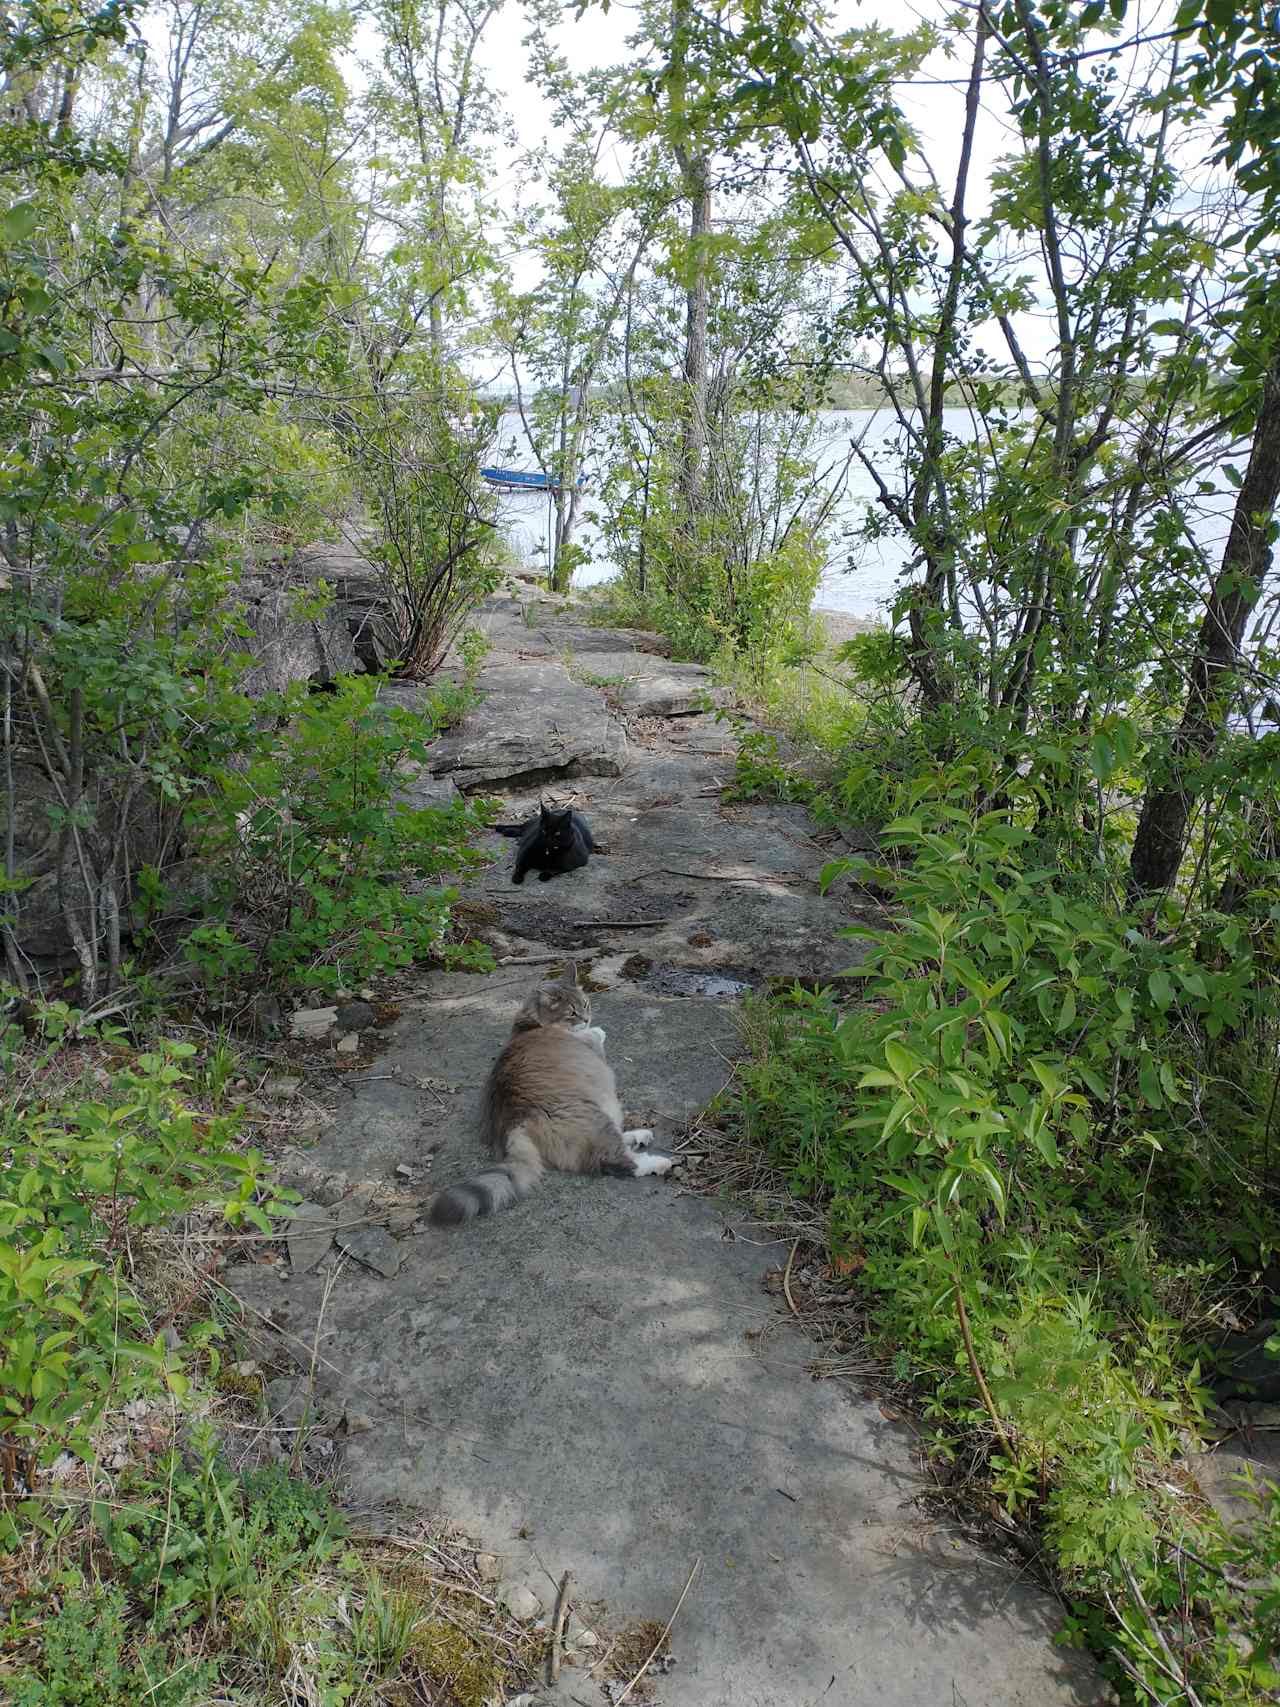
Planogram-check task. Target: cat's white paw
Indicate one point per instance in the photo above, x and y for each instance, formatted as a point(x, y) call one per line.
point(638, 1139)
point(652, 1162)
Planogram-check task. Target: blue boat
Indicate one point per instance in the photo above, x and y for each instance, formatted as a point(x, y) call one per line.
point(517, 480)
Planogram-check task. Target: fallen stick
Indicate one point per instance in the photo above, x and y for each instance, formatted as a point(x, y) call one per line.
point(557, 1628)
point(662, 1638)
point(619, 924)
point(786, 1279)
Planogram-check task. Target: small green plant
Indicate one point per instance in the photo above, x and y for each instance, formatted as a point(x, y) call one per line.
point(760, 772)
point(216, 1539)
point(329, 875)
point(221, 1065)
point(88, 1657)
point(83, 1173)
point(474, 646)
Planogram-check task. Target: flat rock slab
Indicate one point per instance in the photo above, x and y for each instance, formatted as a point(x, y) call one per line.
point(600, 1373)
point(724, 887)
point(534, 723)
point(309, 1236)
point(596, 1380)
point(676, 690)
point(373, 1248)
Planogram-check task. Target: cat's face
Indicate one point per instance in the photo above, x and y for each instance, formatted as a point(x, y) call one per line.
point(557, 829)
point(561, 1004)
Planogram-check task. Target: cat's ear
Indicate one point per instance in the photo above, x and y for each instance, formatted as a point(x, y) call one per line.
point(571, 976)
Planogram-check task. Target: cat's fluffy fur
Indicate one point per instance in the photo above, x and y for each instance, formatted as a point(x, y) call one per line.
point(550, 1101)
point(556, 841)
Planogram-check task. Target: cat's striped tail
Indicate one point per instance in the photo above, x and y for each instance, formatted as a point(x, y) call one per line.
point(495, 1188)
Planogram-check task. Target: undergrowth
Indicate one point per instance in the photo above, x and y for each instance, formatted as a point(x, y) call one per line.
point(1040, 1137)
point(152, 1548)
point(323, 871)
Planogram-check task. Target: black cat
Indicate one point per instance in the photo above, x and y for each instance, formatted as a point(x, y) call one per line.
point(550, 844)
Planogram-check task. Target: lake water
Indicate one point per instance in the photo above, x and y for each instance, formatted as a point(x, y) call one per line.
point(861, 576)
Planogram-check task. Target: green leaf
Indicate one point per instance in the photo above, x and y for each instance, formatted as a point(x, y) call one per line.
point(1043, 1139)
point(897, 1114)
point(903, 1062)
point(20, 221)
point(1102, 756)
point(1161, 988)
point(991, 1179)
point(1149, 1083)
point(136, 1352)
point(999, 1026)
point(1049, 1077)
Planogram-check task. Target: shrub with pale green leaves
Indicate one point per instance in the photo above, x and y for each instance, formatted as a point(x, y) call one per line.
point(1041, 1132)
point(85, 1170)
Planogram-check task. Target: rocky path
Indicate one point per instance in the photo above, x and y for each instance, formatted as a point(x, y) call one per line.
point(582, 1382)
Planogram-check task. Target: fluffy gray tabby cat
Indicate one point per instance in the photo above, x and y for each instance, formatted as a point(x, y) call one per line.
point(550, 1101)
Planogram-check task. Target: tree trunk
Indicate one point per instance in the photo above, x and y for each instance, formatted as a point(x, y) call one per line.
point(1162, 828)
point(693, 447)
point(926, 617)
point(695, 177)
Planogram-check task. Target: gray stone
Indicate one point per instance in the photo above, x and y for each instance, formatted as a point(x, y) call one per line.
point(312, 1025)
point(521, 1602)
point(292, 644)
point(355, 1016)
point(282, 1085)
point(678, 691)
point(534, 723)
point(577, 1634)
point(1223, 1478)
point(421, 790)
point(308, 1236)
point(266, 1016)
point(575, 1689)
point(348, 1045)
point(373, 1247)
point(289, 1402)
point(488, 1567)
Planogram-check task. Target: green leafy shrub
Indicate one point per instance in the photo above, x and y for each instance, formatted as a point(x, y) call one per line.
point(1042, 1135)
point(739, 572)
point(328, 875)
point(83, 1171)
point(718, 590)
point(416, 457)
point(217, 1538)
point(90, 1658)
